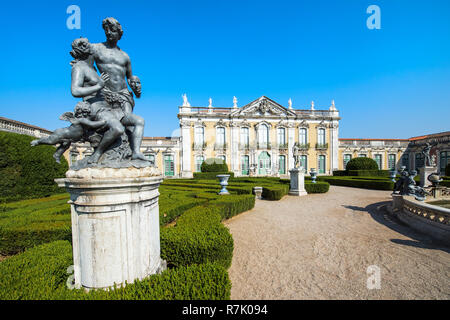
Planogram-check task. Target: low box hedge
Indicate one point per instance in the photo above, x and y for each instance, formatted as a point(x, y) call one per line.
point(40, 273)
point(210, 175)
point(318, 187)
point(369, 173)
point(376, 184)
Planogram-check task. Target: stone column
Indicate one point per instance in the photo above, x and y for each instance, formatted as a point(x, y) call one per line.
point(234, 149)
point(297, 187)
point(115, 225)
point(291, 142)
point(186, 147)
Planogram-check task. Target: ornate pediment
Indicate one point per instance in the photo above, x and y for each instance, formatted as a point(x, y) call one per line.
point(220, 123)
point(303, 124)
point(263, 107)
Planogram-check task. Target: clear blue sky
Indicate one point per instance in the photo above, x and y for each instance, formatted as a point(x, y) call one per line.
point(388, 83)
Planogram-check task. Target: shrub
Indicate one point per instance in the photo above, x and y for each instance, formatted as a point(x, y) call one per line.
point(275, 192)
point(41, 273)
point(25, 171)
point(210, 175)
point(376, 184)
point(214, 165)
point(318, 187)
point(362, 163)
point(339, 173)
point(198, 237)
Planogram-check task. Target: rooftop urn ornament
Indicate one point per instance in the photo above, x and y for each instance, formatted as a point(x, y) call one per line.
point(185, 101)
point(312, 105)
point(290, 103)
point(332, 107)
point(235, 101)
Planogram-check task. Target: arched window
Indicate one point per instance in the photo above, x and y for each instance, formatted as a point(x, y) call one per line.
point(198, 163)
point(245, 165)
point(303, 140)
point(347, 158)
point(199, 136)
point(263, 135)
point(304, 162)
point(282, 164)
point(220, 136)
point(281, 136)
point(321, 164)
point(321, 136)
point(245, 138)
point(391, 161)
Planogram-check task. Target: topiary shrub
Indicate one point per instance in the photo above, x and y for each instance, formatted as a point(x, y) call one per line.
point(362, 163)
point(25, 171)
point(214, 165)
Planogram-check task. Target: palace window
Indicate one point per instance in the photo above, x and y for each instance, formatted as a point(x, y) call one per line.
point(220, 136)
point(321, 164)
point(444, 160)
point(304, 162)
point(169, 165)
point(347, 158)
point(378, 161)
point(303, 136)
point(391, 161)
point(245, 138)
point(362, 155)
point(405, 160)
point(282, 164)
point(151, 158)
point(198, 163)
point(419, 161)
point(281, 136)
point(263, 135)
point(321, 136)
point(199, 136)
point(245, 165)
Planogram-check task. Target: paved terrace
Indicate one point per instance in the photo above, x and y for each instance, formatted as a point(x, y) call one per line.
point(319, 247)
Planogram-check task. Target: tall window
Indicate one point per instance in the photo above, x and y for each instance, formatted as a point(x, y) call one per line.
point(220, 138)
point(405, 160)
point(321, 136)
point(347, 158)
point(263, 135)
point(378, 160)
point(169, 166)
point(198, 163)
point(282, 165)
point(444, 159)
point(245, 164)
point(199, 136)
point(391, 161)
point(304, 162)
point(303, 136)
point(151, 158)
point(245, 138)
point(419, 161)
point(281, 136)
point(362, 155)
point(321, 164)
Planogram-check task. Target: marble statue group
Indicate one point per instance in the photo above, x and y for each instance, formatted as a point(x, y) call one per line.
point(104, 117)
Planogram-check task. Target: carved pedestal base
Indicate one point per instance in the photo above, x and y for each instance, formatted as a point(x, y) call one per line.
point(297, 187)
point(424, 173)
point(115, 225)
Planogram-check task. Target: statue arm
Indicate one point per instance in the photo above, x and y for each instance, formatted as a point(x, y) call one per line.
point(77, 88)
point(91, 124)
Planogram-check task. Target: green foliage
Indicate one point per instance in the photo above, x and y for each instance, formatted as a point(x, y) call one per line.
point(211, 175)
point(198, 237)
point(25, 224)
point(275, 192)
point(360, 182)
point(318, 187)
point(41, 273)
point(369, 173)
point(25, 171)
point(362, 163)
point(214, 165)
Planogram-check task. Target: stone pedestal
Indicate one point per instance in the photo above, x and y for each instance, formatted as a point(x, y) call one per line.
point(297, 187)
point(424, 173)
point(258, 192)
point(115, 225)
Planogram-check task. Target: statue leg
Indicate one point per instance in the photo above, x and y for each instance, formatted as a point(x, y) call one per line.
point(136, 136)
point(115, 130)
point(60, 150)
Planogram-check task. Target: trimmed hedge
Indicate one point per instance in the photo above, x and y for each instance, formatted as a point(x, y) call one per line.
point(359, 182)
point(275, 192)
point(25, 171)
point(362, 163)
point(369, 173)
point(41, 273)
point(214, 165)
point(210, 175)
point(318, 187)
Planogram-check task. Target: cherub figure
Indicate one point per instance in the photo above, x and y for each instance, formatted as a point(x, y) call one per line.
point(77, 131)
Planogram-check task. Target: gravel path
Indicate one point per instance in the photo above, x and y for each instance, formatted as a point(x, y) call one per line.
point(320, 246)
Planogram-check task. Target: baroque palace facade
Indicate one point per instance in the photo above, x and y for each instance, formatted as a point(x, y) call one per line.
point(258, 139)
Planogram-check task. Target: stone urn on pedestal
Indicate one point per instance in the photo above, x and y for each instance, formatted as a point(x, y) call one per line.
point(223, 180)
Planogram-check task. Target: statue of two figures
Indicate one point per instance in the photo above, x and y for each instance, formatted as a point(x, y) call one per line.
point(429, 161)
point(104, 117)
point(406, 185)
